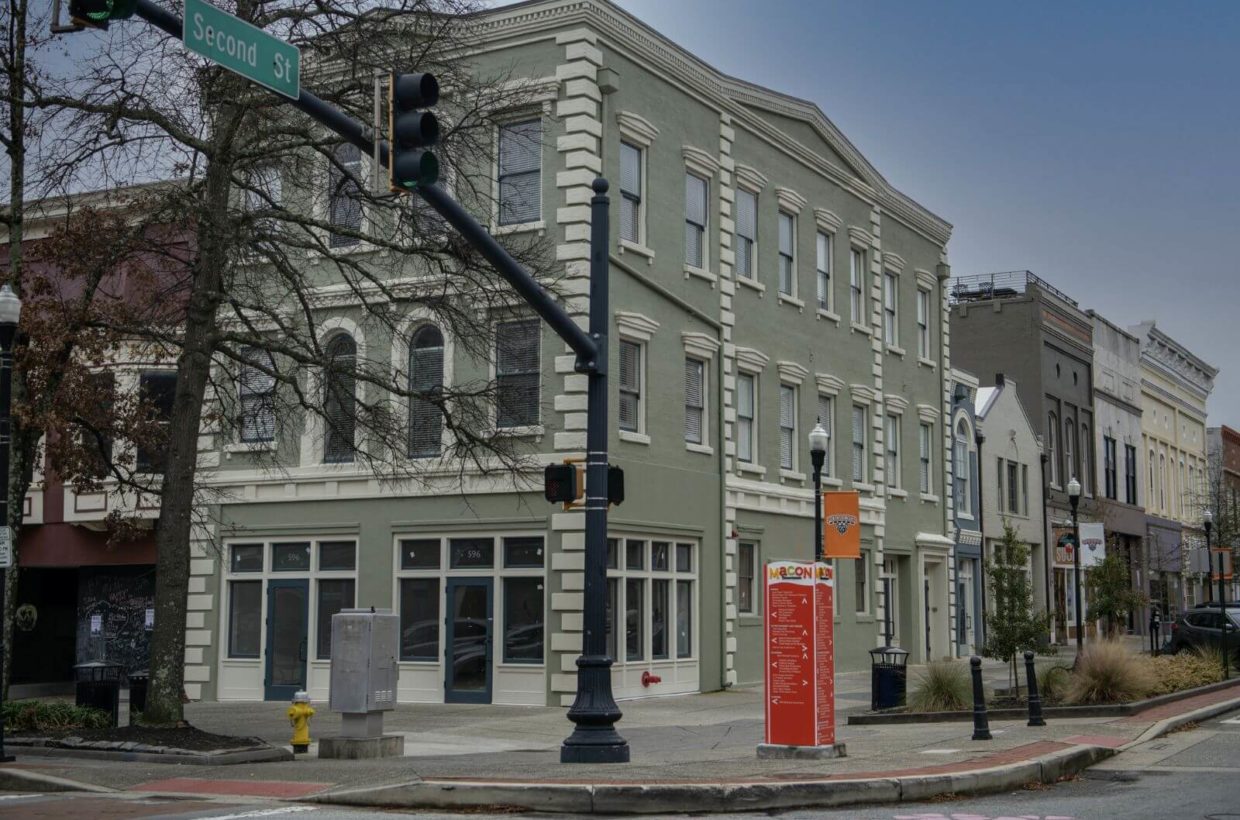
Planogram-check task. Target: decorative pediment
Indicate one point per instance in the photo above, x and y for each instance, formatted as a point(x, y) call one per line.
point(893, 261)
point(863, 393)
point(860, 236)
point(829, 384)
point(927, 413)
point(790, 200)
point(699, 344)
point(751, 178)
point(635, 325)
point(636, 128)
point(699, 161)
point(894, 403)
point(791, 372)
point(827, 220)
point(751, 359)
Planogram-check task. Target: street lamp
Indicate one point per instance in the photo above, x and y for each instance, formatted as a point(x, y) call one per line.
point(1074, 500)
point(10, 312)
point(1207, 520)
point(818, 441)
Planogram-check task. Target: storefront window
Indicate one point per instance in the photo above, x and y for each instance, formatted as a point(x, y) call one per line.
point(247, 558)
point(419, 553)
point(523, 620)
point(419, 619)
point(468, 553)
point(337, 555)
point(334, 595)
point(290, 557)
point(244, 617)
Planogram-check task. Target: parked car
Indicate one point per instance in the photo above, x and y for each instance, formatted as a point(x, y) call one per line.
point(1203, 627)
point(1214, 606)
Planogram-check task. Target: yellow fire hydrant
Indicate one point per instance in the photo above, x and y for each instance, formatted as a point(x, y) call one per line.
point(299, 715)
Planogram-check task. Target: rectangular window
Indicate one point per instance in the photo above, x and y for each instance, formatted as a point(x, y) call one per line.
point(337, 556)
point(525, 552)
point(1130, 474)
point(612, 607)
point(294, 557)
point(419, 619)
point(256, 395)
point(823, 268)
point(419, 553)
point(634, 619)
point(334, 595)
point(1109, 468)
point(634, 554)
point(924, 441)
point(684, 558)
point(923, 324)
point(856, 286)
point(861, 579)
point(695, 401)
point(245, 601)
point(630, 386)
point(891, 296)
point(1013, 488)
point(787, 426)
point(95, 421)
point(516, 373)
point(696, 190)
point(156, 391)
point(746, 404)
point(960, 474)
point(344, 195)
point(523, 620)
point(660, 591)
point(247, 558)
point(471, 553)
point(630, 193)
point(744, 577)
point(1000, 474)
point(746, 232)
point(826, 417)
point(1024, 489)
point(859, 437)
point(684, 619)
point(787, 254)
point(893, 451)
point(520, 172)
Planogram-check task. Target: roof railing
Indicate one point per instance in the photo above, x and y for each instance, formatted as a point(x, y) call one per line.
point(985, 286)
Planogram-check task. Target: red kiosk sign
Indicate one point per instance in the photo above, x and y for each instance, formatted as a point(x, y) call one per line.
point(800, 662)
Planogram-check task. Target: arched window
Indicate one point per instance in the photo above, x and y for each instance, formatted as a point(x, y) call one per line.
point(960, 470)
point(1162, 481)
point(1070, 468)
point(1052, 452)
point(426, 378)
point(1087, 463)
point(339, 401)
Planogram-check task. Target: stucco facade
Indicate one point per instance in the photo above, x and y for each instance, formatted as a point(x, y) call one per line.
point(838, 311)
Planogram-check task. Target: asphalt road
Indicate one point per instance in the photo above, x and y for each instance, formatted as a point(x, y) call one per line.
point(1193, 774)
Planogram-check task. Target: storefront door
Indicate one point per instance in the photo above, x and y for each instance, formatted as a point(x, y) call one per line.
point(287, 621)
point(468, 647)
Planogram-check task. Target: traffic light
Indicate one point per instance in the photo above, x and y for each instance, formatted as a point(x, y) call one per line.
point(615, 485)
point(563, 483)
point(411, 132)
point(97, 13)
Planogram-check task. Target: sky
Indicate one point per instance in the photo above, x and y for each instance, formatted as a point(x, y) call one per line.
point(1095, 144)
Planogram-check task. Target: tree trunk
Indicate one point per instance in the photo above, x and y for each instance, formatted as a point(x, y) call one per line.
point(173, 531)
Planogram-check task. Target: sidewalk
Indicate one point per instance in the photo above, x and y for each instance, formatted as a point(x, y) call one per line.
point(694, 753)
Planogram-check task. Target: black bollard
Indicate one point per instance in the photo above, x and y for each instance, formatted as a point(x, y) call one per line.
point(981, 726)
point(1035, 700)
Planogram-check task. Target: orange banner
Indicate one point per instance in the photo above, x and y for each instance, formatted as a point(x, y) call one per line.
point(841, 515)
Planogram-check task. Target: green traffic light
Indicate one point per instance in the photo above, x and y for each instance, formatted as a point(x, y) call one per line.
point(414, 169)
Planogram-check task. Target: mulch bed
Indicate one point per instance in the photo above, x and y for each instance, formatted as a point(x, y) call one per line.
point(180, 737)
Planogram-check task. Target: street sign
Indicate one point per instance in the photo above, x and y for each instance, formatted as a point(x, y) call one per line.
point(242, 48)
point(6, 547)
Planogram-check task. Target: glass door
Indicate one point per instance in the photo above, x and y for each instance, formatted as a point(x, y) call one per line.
point(468, 648)
point(287, 621)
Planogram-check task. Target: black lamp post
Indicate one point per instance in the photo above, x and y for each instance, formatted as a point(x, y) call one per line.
point(1207, 520)
point(818, 441)
point(1074, 500)
point(10, 312)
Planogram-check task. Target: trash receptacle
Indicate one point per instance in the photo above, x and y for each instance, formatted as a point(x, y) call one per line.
point(99, 686)
point(888, 677)
point(137, 692)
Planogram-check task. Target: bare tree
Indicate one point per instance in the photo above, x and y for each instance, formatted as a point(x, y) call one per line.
point(282, 228)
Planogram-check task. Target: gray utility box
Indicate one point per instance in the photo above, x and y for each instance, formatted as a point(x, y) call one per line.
point(364, 671)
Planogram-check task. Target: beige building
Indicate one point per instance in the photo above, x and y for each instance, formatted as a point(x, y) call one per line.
point(1175, 385)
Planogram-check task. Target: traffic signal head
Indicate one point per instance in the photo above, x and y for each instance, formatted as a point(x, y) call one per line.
point(562, 484)
point(411, 131)
point(97, 13)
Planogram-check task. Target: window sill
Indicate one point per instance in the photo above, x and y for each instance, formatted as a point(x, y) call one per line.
point(522, 432)
point(752, 284)
point(634, 437)
point(856, 328)
point(964, 515)
point(637, 248)
point(701, 273)
point(924, 362)
point(865, 488)
point(752, 469)
point(863, 618)
point(704, 449)
point(786, 299)
point(828, 481)
point(250, 447)
point(896, 492)
point(791, 475)
point(895, 350)
point(826, 314)
point(519, 227)
point(929, 499)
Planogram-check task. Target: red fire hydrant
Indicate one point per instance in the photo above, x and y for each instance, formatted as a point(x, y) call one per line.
point(648, 678)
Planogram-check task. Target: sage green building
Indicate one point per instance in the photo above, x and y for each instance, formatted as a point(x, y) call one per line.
point(764, 276)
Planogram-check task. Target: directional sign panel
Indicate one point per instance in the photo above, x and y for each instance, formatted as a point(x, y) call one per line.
point(242, 48)
point(800, 686)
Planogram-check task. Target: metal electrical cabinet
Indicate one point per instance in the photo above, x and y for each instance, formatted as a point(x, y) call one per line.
point(364, 670)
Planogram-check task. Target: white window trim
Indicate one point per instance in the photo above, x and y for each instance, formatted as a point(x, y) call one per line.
point(701, 164)
point(417, 317)
point(520, 115)
point(894, 472)
point(891, 325)
point(313, 431)
point(638, 132)
point(703, 348)
point(536, 431)
point(622, 573)
point(753, 465)
point(926, 357)
point(637, 329)
point(791, 472)
point(926, 424)
point(751, 182)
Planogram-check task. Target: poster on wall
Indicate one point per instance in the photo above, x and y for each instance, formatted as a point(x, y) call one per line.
point(799, 655)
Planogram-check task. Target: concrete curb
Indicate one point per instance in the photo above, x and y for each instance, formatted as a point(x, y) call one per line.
point(652, 798)
point(19, 780)
point(268, 755)
point(1174, 722)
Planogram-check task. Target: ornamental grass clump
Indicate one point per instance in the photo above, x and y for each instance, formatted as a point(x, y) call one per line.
point(1053, 684)
point(943, 686)
point(1106, 672)
point(54, 716)
point(1199, 667)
